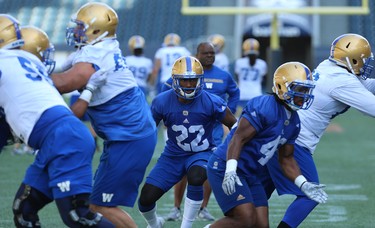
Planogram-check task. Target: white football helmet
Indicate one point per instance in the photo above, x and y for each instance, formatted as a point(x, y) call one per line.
point(94, 22)
point(292, 80)
point(187, 68)
point(37, 43)
point(10, 33)
point(353, 52)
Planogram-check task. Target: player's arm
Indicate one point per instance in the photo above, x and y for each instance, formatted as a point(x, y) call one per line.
point(356, 96)
point(233, 94)
point(287, 162)
point(155, 71)
point(73, 79)
point(292, 171)
point(96, 80)
point(229, 119)
point(244, 133)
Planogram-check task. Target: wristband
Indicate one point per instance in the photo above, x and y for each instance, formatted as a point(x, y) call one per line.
point(231, 165)
point(300, 180)
point(86, 95)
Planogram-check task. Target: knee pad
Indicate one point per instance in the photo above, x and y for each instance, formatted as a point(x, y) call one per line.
point(75, 212)
point(149, 195)
point(196, 175)
point(27, 202)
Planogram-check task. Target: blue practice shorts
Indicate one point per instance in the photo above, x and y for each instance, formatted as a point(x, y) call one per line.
point(170, 169)
point(121, 170)
point(251, 192)
point(306, 163)
point(63, 164)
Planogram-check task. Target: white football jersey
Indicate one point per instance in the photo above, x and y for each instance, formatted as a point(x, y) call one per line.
point(26, 91)
point(336, 90)
point(141, 68)
point(222, 61)
point(107, 55)
point(250, 77)
point(167, 56)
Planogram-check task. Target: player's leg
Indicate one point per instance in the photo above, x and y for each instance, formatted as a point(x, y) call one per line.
point(147, 205)
point(203, 213)
point(27, 202)
point(196, 176)
point(238, 208)
point(165, 174)
point(75, 212)
point(302, 206)
point(179, 191)
point(120, 173)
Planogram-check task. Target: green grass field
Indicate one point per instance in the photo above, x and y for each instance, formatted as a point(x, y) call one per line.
point(345, 163)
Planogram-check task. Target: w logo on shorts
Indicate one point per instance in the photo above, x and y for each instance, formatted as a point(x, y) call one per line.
point(107, 197)
point(64, 186)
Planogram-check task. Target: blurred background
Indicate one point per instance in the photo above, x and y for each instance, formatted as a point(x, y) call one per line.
point(303, 37)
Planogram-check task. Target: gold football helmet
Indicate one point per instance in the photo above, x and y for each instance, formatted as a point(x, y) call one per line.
point(353, 52)
point(172, 39)
point(294, 80)
point(37, 43)
point(187, 68)
point(136, 42)
point(94, 22)
point(218, 41)
point(250, 47)
point(10, 34)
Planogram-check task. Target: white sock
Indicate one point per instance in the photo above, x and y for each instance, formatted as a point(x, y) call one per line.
point(191, 209)
point(151, 217)
point(207, 226)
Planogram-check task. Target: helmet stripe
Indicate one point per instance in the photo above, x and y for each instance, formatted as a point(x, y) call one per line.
point(188, 64)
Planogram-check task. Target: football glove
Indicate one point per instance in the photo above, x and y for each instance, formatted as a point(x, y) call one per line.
point(230, 178)
point(97, 79)
point(314, 191)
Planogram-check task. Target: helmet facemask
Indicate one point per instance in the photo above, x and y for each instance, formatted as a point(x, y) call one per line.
point(187, 68)
point(302, 90)
point(293, 84)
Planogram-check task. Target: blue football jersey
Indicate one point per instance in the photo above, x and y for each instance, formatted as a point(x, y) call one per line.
point(189, 126)
point(275, 126)
point(221, 83)
point(218, 82)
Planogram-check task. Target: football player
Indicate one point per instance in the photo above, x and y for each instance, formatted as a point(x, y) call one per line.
point(164, 59)
point(39, 116)
point(118, 111)
point(190, 114)
point(339, 86)
point(221, 83)
point(250, 71)
point(139, 64)
point(221, 59)
point(269, 123)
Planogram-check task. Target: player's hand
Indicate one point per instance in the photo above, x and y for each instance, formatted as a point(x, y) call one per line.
point(230, 181)
point(314, 191)
point(97, 79)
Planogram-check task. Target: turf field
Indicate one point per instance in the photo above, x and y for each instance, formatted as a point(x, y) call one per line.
point(345, 159)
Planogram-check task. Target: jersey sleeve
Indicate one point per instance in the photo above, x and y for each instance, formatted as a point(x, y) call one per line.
point(233, 93)
point(156, 109)
point(355, 95)
point(219, 106)
point(253, 114)
point(167, 85)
